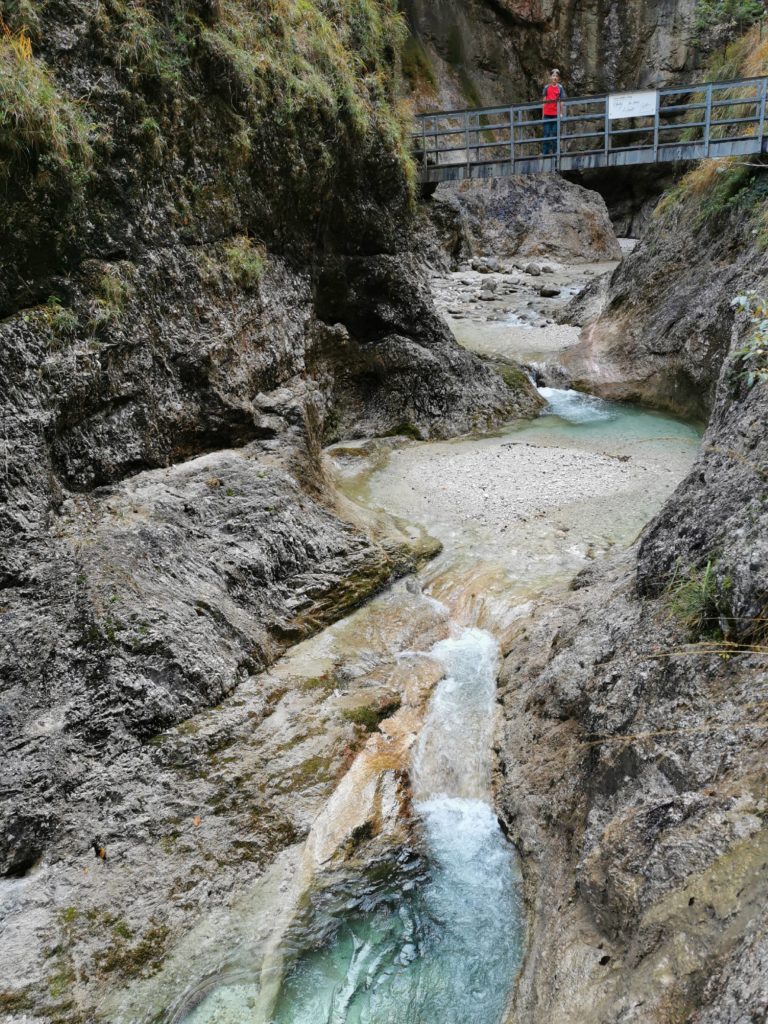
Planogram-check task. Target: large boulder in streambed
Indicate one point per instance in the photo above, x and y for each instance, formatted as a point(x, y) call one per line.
point(536, 215)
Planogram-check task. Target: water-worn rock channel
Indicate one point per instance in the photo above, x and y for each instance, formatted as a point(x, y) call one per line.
point(405, 902)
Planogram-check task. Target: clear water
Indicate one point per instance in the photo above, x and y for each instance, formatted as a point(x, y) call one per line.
point(445, 951)
point(441, 947)
point(575, 407)
point(438, 939)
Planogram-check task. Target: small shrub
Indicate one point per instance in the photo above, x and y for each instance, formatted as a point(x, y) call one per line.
point(752, 357)
point(730, 189)
point(112, 292)
point(370, 715)
point(151, 138)
point(148, 50)
point(245, 261)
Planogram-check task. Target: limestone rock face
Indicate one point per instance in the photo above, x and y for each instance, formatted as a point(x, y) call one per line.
point(166, 528)
point(634, 775)
point(500, 51)
point(665, 323)
point(634, 784)
point(537, 215)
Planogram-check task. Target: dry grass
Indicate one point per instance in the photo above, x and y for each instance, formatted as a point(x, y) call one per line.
point(37, 122)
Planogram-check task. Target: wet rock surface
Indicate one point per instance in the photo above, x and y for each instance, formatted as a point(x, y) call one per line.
point(130, 601)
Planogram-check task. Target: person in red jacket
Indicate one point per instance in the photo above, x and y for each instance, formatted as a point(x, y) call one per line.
point(553, 97)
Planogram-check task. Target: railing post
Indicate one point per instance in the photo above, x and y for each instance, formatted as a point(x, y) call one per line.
point(607, 130)
point(557, 150)
point(424, 143)
point(512, 138)
point(656, 120)
point(468, 171)
point(708, 119)
point(763, 92)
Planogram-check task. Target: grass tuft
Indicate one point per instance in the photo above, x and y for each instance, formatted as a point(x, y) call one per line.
point(40, 128)
point(245, 261)
point(695, 600)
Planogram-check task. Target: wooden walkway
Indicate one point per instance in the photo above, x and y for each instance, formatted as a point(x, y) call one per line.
point(618, 130)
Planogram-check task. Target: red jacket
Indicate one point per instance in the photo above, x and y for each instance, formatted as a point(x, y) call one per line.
point(553, 95)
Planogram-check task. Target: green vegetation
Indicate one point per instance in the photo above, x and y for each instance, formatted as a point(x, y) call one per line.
point(18, 1001)
point(717, 20)
point(150, 52)
point(405, 429)
point(112, 291)
point(142, 959)
point(245, 261)
point(455, 52)
point(369, 716)
point(513, 376)
point(327, 61)
point(695, 600)
point(60, 319)
point(208, 118)
point(39, 125)
point(716, 188)
point(752, 357)
point(324, 682)
point(417, 67)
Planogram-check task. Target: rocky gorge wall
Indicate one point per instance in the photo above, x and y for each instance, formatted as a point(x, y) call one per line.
point(481, 52)
point(661, 337)
point(207, 274)
point(632, 754)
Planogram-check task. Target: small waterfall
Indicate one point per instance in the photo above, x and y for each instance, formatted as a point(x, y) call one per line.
point(453, 755)
point(447, 950)
point(576, 407)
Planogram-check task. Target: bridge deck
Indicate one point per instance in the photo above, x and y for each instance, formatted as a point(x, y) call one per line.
point(720, 119)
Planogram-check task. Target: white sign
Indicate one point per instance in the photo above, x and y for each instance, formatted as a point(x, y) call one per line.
point(632, 104)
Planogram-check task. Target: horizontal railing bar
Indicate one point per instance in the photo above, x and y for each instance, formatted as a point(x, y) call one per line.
point(582, 117)
point(682, 127)
point(448, 149)
point(587, 135)
point(681, 108)
point(489, 145)
point(740, 101)
point(737, 120)
point(488, 127)
point(435, 135)
point(630, 131)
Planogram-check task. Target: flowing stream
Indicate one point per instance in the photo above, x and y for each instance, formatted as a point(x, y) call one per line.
point(444, 951)
point(435, 935)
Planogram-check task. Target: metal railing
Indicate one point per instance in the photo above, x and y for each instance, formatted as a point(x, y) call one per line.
point(653, 126)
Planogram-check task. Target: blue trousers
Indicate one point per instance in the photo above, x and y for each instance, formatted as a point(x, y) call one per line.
point(550, 135)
